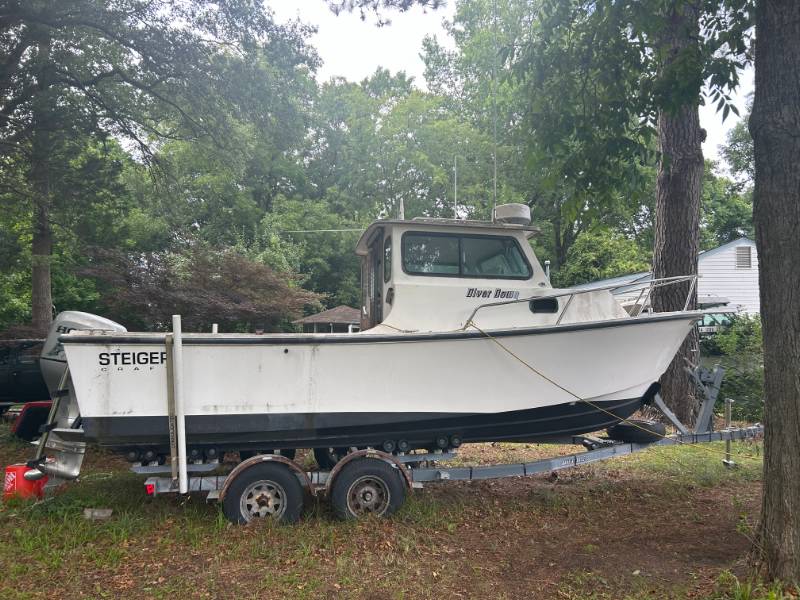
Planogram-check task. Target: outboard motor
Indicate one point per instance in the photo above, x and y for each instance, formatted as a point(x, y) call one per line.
point(60, 449)
point(52, 360)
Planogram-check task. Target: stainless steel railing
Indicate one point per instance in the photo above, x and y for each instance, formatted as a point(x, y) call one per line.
point(642, 299)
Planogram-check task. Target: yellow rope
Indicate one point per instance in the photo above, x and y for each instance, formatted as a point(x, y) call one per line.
point(589, 402)
point(395, 328)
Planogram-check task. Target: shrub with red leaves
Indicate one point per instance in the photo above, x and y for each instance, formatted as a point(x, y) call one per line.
point(204, 286)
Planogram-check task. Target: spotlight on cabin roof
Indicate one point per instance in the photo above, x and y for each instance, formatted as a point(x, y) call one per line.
point(513, 214)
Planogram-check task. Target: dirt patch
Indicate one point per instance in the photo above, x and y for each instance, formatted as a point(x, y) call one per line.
point(629, 535)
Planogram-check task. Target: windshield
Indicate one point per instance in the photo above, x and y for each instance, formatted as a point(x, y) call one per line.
point(475, 256)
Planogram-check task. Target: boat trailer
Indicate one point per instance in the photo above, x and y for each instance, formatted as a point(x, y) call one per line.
point(410, 470)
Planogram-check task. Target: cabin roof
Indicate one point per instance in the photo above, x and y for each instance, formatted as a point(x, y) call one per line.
point(340, 314)
point(362, 248)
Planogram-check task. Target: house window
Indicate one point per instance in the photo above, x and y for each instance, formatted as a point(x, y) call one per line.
point(743, 257)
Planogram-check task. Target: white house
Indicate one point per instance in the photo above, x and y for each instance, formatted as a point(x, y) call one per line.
point(728, 275)
point(731, 271)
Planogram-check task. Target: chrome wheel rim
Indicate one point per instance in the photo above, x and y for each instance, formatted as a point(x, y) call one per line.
point(368, 495)
point(263, 499)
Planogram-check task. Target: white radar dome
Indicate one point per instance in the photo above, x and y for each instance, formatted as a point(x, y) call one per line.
point(513, 214)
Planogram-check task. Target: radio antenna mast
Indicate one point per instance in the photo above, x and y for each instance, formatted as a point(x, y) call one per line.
point(455, 186)
point(494, 108)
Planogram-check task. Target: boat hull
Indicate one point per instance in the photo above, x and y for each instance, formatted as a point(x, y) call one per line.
point(354, 390)
point(309, 430)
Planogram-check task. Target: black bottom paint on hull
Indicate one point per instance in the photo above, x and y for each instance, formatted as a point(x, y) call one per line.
point(314, 430)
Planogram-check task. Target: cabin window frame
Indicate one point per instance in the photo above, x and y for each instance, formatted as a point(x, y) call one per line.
point(387, 259)
point(460, 274)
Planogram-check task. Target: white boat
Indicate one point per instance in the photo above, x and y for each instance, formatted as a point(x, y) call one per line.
point(463, 340)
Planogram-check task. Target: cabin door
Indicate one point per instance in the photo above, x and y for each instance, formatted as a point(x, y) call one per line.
point(372, 284)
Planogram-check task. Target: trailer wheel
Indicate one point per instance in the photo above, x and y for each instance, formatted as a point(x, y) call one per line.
point(637, 432)
point(265, 490)
point(367, 486)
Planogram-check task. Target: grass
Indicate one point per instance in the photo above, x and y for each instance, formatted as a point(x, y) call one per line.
point(668, 522)
point(729, 587)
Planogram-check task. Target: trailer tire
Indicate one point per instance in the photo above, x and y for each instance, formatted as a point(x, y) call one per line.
point(367, 486)
point(637, 431)
point(264, 490)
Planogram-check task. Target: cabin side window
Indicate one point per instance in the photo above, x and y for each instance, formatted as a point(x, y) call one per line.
point(471, 256)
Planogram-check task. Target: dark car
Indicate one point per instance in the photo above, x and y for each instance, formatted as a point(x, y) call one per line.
point(20, 376)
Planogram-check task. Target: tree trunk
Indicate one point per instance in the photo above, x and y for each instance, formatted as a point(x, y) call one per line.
point(42, 244)
point(678, 190)
point(564, 237)
point(39, 176)
point(559, 254)
point(775, 127)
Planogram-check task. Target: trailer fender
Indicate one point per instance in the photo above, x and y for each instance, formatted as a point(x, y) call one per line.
point(262, 458)
point(368, 453)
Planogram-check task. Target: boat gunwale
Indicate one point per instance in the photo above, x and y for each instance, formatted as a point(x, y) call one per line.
point(207, 339)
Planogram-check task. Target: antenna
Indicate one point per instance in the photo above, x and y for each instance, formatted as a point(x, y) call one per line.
point(455, 186)
point(494, 107)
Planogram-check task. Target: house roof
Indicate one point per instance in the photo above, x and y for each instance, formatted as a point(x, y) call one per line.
point(620, 280)
point(340, 314)
point(742, 241)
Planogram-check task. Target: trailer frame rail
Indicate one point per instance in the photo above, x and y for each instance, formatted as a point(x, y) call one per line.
point(426, 474)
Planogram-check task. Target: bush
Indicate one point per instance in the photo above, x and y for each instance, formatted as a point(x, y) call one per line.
point(600, 254)
point(738, 349)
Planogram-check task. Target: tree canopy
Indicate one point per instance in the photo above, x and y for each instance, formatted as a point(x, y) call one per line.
point(144, 69)
point(167, 140)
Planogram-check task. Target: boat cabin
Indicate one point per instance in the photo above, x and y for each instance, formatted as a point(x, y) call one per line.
point(415, 271)
point(431, 274)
